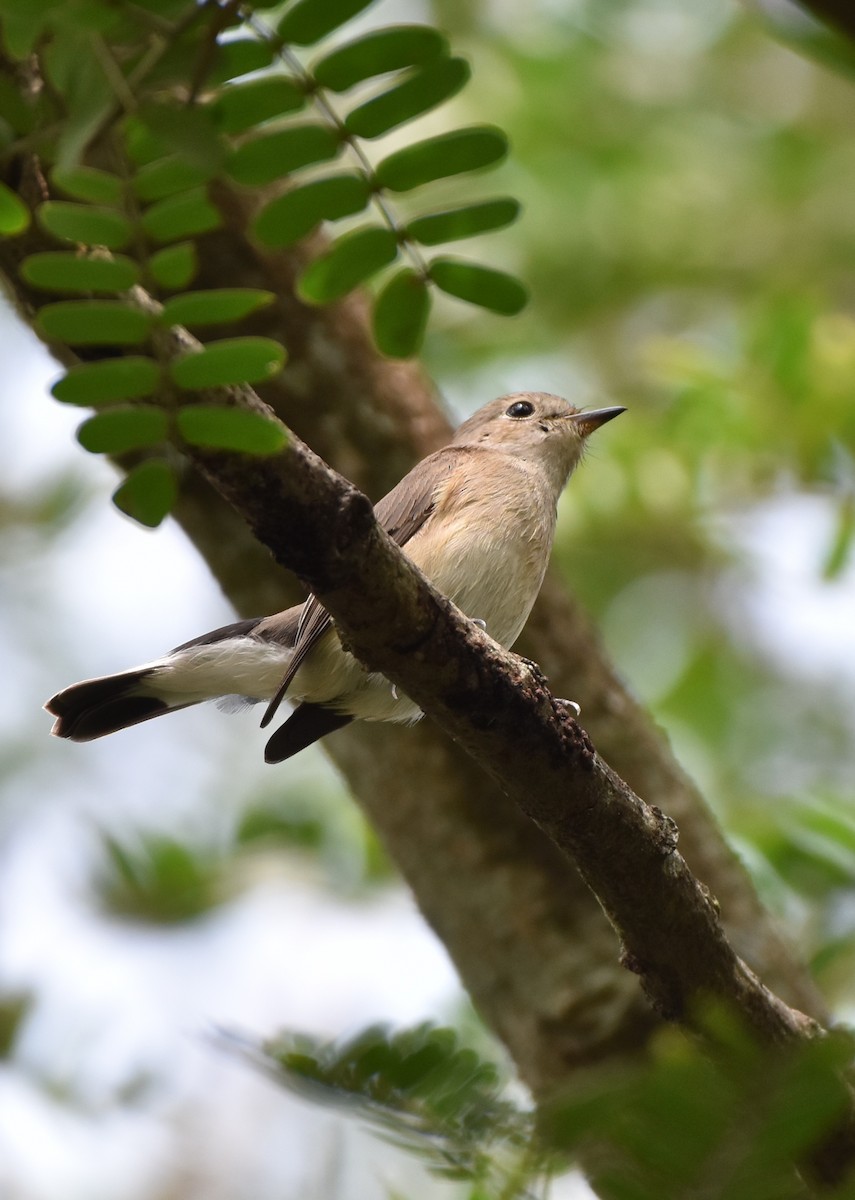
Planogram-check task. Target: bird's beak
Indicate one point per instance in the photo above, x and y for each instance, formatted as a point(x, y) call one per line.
point(587, 422)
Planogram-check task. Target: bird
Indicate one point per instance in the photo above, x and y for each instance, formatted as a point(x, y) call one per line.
point(477, 517)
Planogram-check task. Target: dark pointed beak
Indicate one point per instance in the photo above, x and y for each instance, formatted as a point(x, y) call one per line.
point(587, 422)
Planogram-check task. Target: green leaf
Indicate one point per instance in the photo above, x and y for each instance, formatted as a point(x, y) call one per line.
point(441, 156)
point(22, 25)
point(227, 362)
point(839, 552)
point(230, 429)
point(127, 378)
point(291, 216)
point(76, 75)
point(243, 105)
point(214, 306)
point(175, 266)
point(67, 271)
point(88, 183)
point(351, 260)
point(239, 57)
point(85, 224)
point(93, 323)
point(276, 154)
point(401, 313)
point(188, 131)
point(424, 90)
point(149, 492)
point(166, 176)
point(121, 429)
point(307, 21)
point(454, 223)
point(377, 53)
point(495, 290)
point(14, 214)
point(19, 114)
point(181, 216)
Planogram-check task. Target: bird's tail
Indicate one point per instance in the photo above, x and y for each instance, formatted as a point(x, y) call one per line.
point(222, 661)
point(96, 707)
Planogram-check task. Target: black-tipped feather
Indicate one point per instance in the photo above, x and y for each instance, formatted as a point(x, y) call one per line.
point(96, 707)
point(307, 723)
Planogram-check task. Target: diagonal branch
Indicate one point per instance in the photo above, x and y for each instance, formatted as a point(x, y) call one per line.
point(497, 706)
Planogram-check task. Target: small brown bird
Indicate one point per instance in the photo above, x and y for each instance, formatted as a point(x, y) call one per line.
point(477, 517)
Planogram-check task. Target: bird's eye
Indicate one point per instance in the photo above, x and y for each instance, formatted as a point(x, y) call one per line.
point(521, 408)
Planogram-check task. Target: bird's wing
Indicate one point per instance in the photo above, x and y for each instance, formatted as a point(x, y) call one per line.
point(402, 512)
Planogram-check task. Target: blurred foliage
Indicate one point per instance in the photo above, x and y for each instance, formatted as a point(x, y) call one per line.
point(422, 1090)
point(731, 1129)
point(159, 880)
point(740, 1127)
point(14, 1009)
point(308, 817)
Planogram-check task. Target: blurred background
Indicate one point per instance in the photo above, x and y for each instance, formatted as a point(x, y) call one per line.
point(688, 239)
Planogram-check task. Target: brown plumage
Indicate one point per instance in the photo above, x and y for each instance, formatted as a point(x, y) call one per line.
point(477, 517)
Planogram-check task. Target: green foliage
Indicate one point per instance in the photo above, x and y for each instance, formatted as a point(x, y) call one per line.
point(351, 260)
point(274, 155)
point(148, 493)
point(186, 214)
point(230, 429)
point(15, 1007)
point(65, 271)
point(738, 1128)
point(379, 53)
point(452, 224)
point(144, 113)
point(121, 429)
point(92, 384)
point(424, 1091)
point(401, 313)
point(228, 362)
point(491, 289)
point(174, 266)
point(290, 217)
point(14, 215)
point(423, 90)
point(86, 224)
point(214, 306)
point(94, 323)
point(159, 881)
point(441, 156)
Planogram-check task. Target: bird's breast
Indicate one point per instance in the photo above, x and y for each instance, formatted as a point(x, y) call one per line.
point(488, 552)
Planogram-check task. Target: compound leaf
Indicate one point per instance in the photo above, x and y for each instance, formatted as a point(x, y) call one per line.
point(400, 314)
point(127, 378)
point(351, 260)
point(377, 53)
point(227, 362)
point(149, 492)
point(121, 429)
point(439, 157)
point(230, 429)
point(291, 216)
point(422, 91)
point(495, 290)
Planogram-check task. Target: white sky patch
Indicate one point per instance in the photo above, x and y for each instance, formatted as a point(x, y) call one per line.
point(777, 598)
